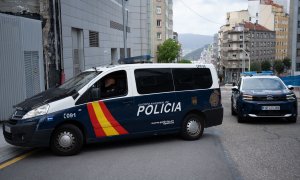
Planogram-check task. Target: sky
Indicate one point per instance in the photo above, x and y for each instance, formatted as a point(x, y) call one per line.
point(204, 17)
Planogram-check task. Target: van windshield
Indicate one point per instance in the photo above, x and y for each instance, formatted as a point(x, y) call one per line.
point(77, 82)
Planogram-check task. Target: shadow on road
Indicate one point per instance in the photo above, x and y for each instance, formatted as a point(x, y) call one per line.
point(131, 143)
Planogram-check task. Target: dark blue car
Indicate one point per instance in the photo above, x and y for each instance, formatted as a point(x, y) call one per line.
point(263, 97)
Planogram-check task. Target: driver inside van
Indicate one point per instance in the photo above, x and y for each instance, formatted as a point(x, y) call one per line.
point(109, 87)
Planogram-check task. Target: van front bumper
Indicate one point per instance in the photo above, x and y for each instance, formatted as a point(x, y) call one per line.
point(26, 134)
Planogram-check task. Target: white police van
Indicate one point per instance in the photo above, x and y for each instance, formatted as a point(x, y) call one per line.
point(119, 101)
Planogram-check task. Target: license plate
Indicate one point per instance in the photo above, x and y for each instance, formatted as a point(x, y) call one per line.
point(7, 129)
point(270, 108)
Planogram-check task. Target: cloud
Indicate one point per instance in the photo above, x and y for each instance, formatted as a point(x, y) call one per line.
point(203, 16)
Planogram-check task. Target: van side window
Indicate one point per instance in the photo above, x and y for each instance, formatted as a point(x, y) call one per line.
point(109, 86)
point(192, 78)
point(153, 80)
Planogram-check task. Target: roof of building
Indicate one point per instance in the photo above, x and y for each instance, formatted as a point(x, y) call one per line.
point(256, 27)
point(271, 2)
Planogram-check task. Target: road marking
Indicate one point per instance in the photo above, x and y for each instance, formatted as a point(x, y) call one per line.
point(16, 159)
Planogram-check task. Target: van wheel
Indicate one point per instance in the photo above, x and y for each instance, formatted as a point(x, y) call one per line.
point(192, 128)
point(67, 140)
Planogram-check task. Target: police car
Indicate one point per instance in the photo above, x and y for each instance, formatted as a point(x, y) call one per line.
point(265, 96)
point(142, 99)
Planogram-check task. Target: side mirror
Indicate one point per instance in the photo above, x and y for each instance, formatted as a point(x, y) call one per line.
point(235, 88)
point(290, 87)
point(95, 93)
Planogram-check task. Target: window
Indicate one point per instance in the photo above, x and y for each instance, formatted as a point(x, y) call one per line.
point(153, 80)
point(298, 52)
point(192, 78)
point(158, 23)
point(241, 46)
point(297, 66)
point(109, 86)
point(158, 35)
point(241, 37)
point(298, 24)
point(298, 37)
point(94, 38)
point(158, 10)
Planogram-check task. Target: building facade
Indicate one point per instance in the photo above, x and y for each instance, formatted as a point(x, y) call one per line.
point(244, 44)
point(273, 17)
point(161, 21)
point(80, 34)
point(294, 36)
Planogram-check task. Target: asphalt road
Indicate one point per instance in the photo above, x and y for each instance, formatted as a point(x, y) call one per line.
point(262, 149)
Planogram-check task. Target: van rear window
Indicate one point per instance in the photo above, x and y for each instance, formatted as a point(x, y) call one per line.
point(153, 80)
point(192, 78)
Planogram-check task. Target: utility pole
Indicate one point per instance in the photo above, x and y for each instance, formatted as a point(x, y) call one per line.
point(243, 62)
point(124, 28)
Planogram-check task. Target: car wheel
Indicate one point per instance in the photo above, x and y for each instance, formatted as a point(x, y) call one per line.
point(241, 119)
point(292, 119)
point(67, 140)
point(232, 110)
point(192, 128)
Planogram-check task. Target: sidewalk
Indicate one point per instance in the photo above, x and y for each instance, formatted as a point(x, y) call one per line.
point(8, 151)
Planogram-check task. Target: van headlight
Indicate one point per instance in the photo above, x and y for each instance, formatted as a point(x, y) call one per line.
point(247, 97)
point(37, 112)
point(290, 97)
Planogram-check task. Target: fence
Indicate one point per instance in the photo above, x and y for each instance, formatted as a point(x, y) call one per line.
point(291, 80)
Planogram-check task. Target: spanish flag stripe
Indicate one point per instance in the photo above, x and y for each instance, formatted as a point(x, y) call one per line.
point(96, 126)
point(111, 119)
point(105, 124)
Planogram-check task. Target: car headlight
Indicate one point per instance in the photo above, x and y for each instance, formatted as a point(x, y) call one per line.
point(290, 97)
point(37, 112)
point(247, 97)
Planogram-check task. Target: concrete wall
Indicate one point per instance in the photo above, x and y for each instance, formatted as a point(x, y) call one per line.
point(96, 15)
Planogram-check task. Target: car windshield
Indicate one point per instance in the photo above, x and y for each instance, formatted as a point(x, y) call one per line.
point(77, 82)
point(262, 84)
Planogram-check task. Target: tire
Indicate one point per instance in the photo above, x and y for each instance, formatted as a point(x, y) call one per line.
point(292, 119)
point(192, 127)
point(241, 119)
point(232, 110)
point(66, 140)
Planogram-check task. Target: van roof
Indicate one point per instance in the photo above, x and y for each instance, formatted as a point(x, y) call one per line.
point(154, 65)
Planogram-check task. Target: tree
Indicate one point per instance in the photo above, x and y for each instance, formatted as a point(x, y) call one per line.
point(278, 66)
point(168, 51)
point(255, 66)
point(185, 61)
point(265, 66)
point(287, 62)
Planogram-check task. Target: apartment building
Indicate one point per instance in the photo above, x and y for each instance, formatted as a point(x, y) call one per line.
point(273, 17)
point(161, 21)
point(244, 44)
point(294, 36)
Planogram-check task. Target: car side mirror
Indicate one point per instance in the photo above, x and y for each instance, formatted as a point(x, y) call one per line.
point(95, 93)
point(235, 89)
point(290, 87)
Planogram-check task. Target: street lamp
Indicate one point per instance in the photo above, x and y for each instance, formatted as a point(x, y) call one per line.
point(124, 29)
point(248, 58)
